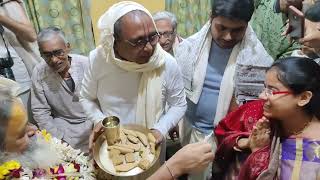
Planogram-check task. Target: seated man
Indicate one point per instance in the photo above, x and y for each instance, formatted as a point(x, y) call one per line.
point(223, 65)
point(130, 76)
point(56, 85)
point(167, 24)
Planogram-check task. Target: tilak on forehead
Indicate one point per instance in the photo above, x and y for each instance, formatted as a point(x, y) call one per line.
point(110, 17)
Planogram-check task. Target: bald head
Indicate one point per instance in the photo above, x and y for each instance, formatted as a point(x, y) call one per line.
point(128, 18)
point(135, 37)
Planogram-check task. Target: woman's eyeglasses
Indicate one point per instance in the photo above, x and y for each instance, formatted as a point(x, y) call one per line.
point(269, 93)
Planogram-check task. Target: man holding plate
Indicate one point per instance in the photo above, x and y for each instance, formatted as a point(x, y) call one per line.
point(130, 76)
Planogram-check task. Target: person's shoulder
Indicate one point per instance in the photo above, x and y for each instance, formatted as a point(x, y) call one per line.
point(97, 55)
point(171, 65)
point(170, 61)
point(39, 71)
point(41, 66)
point(79, 57)
point(12, 86)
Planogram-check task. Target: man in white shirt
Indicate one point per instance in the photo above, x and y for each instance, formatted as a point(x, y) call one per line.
point(130, 76)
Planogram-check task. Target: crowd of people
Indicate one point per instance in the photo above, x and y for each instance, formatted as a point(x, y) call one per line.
point(241, 108)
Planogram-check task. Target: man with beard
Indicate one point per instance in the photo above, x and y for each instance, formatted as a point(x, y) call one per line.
point(56, 85)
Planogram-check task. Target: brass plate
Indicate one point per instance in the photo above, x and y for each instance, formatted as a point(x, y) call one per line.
point(101, 141)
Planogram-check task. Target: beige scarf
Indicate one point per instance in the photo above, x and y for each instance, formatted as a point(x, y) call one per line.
point(149, 104)
point(248, 53)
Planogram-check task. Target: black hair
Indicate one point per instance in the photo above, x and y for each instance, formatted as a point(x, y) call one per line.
point(299, 75)
point(313, 13)
point(233, 9)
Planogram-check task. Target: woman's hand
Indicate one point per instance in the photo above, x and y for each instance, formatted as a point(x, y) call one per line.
point(260, 135)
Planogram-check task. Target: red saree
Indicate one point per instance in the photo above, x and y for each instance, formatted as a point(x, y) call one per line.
point(239, 123)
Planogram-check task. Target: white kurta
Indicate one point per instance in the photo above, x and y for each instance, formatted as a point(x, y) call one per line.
point(108, 90)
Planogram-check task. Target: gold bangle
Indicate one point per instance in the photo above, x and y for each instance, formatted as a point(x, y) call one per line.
point(165, 163)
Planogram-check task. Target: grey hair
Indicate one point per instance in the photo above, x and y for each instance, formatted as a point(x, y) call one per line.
point(6, 100)
point(49, 32)
point(161, 15)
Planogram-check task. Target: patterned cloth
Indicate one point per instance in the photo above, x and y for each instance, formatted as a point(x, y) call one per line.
point(269, 26)
point(235, 125)
point(191, 14)
point(72, 16)
point(300, 159)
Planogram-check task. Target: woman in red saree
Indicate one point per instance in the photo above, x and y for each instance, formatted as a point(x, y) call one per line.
point(250, 147)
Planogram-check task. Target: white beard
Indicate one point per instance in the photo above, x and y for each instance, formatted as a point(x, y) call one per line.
point(39, 154)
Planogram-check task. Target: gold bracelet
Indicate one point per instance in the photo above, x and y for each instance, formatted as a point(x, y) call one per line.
point(165, 163)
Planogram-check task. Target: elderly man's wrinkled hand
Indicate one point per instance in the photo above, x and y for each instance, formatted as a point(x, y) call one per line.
point(96, 132)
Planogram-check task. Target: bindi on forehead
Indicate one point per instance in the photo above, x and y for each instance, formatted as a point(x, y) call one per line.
point(137, 24)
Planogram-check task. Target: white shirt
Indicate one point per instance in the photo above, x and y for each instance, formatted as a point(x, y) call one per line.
point(19, 68)
point(108, 90)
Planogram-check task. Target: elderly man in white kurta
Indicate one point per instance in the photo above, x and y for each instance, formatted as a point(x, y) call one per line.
point(130, 76)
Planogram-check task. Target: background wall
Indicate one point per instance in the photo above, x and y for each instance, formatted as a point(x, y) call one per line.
point(78, 18)
point(98, 7)
point(72, 16)
point(191, 14)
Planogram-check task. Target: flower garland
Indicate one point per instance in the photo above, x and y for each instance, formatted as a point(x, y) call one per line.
point(10, 169)
point(75, 165)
